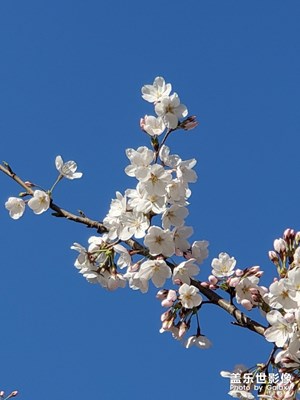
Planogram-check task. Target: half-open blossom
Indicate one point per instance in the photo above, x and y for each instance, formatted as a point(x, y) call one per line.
point(67, 169)
point(16, 207)
point(40, 202)
point(152, 125)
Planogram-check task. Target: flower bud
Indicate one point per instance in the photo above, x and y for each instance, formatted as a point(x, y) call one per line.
point(162, 294)
point(165, 316)
point(239, 272)
point(280, 245)
point(273, 256)
point(247, 304)
point(212, 280)
point(189, 123)
point(233, 281)
point(183, 328)
point(289, 235)
point(204, 284)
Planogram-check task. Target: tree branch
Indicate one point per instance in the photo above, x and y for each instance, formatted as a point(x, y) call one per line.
point(241, 319)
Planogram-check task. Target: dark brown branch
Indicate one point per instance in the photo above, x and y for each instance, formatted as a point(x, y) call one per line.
point(241, 319)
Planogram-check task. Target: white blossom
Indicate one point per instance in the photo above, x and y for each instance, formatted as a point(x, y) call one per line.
point(155, 92)
point(140, 160)
point(174, 216)
point(199, 250)
point(279, 295)
point(40, 202)
point(223, 266)
point(156, 270)
point(68, 169)
point(155, 180)
point(154, 126)
point(280, 330)
point(189, 296)
point(168, 160)
point(180, 238)
point(185, 271)
point(15, 206)
point(185, 171)
point(171, 110)
point(159, 241)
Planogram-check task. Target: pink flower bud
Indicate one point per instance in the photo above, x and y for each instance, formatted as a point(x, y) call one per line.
point(273, 256)
point(204, 284)
point(212, 279)
point(247, 304)
point(213, 287)
point(142, 124)
point(165, 316)
point(167, 303)
point(177, 281)
point(29, 184)
point(189, 123)
point(2, 393)
point(233, 281)
point(162, 294)
point(254, 270)
point(183, 328)
point(239, 272)
point(289, 234)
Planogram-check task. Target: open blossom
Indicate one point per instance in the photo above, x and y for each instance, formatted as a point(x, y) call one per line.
point(185, 271)
point(155, 92)
point(40, 202)
point(174, 216)
point(280, 330)
point(223, 266)
point(159, 242)
point(154, 126)
point(279, 295)
point(157, 270)
point(16, 207)
point(171, 110)
point(155, 180)
point(67, 169)
point(199, 250)
point(189, 296)
point(140, 160)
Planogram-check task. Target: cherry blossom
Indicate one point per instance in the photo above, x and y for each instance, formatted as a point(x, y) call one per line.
point(15, 206)
point(40, 202)
point(189, 296)
point(159, 241)
point(158, 90)
point(68, 169)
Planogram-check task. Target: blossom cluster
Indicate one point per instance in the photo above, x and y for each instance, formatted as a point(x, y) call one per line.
point(146, 226)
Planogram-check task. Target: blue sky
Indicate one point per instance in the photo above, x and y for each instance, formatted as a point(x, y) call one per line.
point(70, 79)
